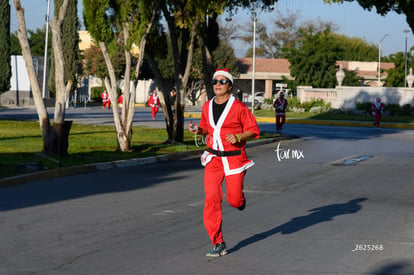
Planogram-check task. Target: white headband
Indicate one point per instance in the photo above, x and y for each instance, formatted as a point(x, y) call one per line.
point(225, 74)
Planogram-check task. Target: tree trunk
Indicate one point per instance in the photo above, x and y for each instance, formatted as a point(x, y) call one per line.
point(58, 139)
point(124, 124)
point(111, 86)
point(178, 134)
point(166, 108)
point(124, 140)
point(55, 139)
point(127, 109)
point(34, 82)
point(59, 134)
point(208, 66)
point(169, 116)
point(180, 103)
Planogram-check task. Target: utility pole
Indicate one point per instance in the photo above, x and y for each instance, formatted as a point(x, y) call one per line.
point(254, 54)
point(379, 60)
point(405, 58)
point(45, 58)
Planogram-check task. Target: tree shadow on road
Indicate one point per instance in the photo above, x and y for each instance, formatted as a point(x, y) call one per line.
point(394, 268)
point(100, 182)
point(317, 215)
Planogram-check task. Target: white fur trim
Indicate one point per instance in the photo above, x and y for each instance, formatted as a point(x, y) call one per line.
point(225, 74)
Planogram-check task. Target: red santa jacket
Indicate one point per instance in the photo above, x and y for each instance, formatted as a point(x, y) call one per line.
point(377, 107)
point(235, 119)
point(154, 101)
point(121, 99)
point(280, 105)
point(105, 97)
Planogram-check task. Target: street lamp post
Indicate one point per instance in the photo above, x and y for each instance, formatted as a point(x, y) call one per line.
point(254, 54)
point(405, 58)
point(379, 59)
point(45, 58)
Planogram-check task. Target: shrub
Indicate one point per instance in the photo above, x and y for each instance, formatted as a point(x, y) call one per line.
point(293, 102)
point(393, 109)
point(96, 92)
point(407, 110)
point(364, 107)
point(267, 107)
point(297, 109)
point(390, 109)
point(317, 109)
point(316, 105)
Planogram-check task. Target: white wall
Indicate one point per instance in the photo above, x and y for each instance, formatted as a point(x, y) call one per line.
point(20, 79)
point(346, 97)
point(142, 90)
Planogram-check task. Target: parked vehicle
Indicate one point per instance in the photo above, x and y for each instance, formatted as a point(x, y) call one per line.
point(258, 100)
point(258, 97)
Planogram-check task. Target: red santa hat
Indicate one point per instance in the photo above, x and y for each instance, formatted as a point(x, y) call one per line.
point(224, 72)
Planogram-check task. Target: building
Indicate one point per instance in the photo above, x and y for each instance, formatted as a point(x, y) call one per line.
point(85, 40)
point(368, 71)
point(269, 72)
point(20, 93)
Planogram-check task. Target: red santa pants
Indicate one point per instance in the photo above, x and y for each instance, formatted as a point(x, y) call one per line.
point(377, 119)
point(280, 120)
point(213, 181)
point(106, 103)
point(154, 111)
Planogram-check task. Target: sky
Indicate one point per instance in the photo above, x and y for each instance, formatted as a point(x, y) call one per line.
point(351, 19)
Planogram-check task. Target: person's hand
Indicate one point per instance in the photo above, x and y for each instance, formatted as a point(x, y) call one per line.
point(192, 127)
point(231, 138)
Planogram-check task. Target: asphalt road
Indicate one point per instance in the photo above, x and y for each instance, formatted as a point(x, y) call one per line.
point(336, 200)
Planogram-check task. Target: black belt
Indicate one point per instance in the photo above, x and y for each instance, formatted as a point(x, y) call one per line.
point(224, 153)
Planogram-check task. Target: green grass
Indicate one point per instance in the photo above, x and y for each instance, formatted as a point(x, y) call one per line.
point(271, 113)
